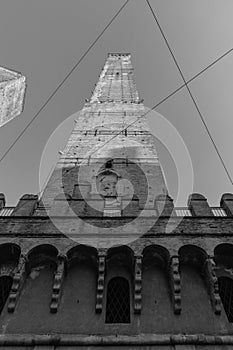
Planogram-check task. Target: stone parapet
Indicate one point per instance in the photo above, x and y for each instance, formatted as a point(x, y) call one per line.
point(2, 201)
point(26, 205)
point(198, 205)
point(227, 203)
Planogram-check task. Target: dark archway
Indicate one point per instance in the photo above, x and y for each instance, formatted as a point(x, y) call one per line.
point(121, 257)
point(9, 257)
point(195, 297)
point(82, 254)
point(223, 255)
point(78, 298)
point(9, 253)
point(157, 308)
point(34, 302)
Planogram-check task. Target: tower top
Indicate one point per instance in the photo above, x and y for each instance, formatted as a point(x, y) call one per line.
point(119, 54)
point(116, 82)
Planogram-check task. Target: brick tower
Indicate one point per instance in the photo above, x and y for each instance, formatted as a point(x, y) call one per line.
point(111, 137)
point(91, 265)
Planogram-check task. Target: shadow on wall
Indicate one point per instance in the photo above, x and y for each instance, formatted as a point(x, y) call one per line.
point(76, 304)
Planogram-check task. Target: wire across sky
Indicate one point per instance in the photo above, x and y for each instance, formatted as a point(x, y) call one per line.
point(184, 85)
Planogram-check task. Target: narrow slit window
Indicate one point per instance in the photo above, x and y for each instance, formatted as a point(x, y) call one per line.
point(226, 294)
point(5, 287)
point(118, 301)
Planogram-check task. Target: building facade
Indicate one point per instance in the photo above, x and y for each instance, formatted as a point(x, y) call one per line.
point(103, 259)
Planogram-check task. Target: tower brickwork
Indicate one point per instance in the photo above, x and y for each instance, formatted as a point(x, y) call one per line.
point(112, 127)
point(104, 259)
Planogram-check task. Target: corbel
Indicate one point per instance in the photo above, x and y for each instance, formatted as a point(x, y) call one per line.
point(17, 284)
point(212, 284)
point(175, 284)
point(138, 284)
point(100, 281)
point(57, 283)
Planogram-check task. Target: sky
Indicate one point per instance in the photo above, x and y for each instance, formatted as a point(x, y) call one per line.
point(44, 39)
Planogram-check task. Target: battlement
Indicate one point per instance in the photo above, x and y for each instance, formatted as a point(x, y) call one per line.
point(197, 206)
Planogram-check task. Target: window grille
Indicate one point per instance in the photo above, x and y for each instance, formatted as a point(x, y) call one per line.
point(7, 211)
point(5, 287)
point(226, 294)
point(118, 301)
point(218, 212)
point(183, 212)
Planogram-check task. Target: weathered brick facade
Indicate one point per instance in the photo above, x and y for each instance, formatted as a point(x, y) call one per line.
point(105, 213)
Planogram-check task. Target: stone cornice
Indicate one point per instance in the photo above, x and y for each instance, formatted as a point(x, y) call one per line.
point(44, 225)
point(108, 340)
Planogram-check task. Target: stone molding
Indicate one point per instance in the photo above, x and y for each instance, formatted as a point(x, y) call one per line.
point(212, 284)
point(18, 281)
point(138, 284)
point(119, 340)
point(57, 284)
point(100, 281)
point(175, 284)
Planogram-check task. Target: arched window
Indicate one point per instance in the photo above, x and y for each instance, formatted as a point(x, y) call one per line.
point(5, 287)
point(118, 301)
point(226, 294)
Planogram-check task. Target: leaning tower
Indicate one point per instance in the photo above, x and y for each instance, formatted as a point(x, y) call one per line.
point(92, 265)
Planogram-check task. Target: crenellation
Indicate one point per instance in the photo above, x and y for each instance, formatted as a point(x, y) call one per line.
point(2, 201)
point(227, 203)
point(26, 205)
point(198, 205)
